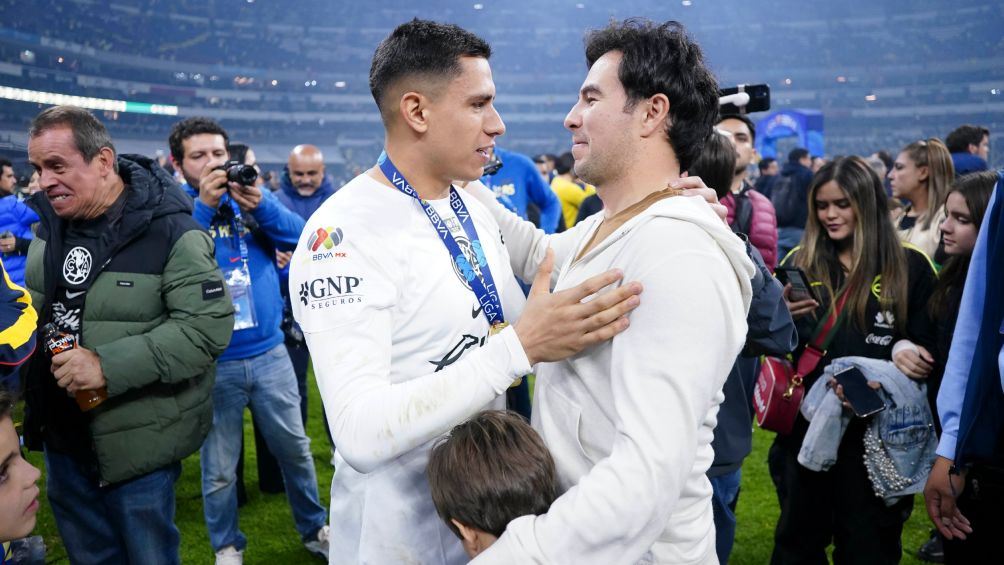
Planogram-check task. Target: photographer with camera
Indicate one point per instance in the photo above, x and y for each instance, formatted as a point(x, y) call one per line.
point(248, 226)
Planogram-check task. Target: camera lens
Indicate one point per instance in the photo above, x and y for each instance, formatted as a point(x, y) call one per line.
point(241, 173)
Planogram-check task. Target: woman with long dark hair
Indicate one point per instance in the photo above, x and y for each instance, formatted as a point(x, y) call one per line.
point(965, 206)
point(851, 254)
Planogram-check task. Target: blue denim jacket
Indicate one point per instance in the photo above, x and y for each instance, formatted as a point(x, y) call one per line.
point(900, 441)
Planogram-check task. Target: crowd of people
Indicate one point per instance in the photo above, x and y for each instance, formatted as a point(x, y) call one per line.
point(650, 283)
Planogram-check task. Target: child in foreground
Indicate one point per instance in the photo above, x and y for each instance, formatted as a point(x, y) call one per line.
point(18, 478)
point(490, 470)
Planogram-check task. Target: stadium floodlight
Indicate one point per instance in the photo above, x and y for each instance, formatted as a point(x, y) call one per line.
point(58, 99)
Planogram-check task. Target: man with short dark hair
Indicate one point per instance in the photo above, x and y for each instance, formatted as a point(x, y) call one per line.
point(16, 220)
point(545, 165)
point(248, 226)
point(750, 212)
point(970, 148)
point(405, 294)
point(630, 422)
point(7, 178)
point(122, 271)
point(790, 198)
point(768, 168)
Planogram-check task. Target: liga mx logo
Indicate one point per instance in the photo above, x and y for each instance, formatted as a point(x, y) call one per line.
point(470, 262)
point(328, 237)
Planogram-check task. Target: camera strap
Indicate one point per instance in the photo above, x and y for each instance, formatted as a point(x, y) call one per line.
point(478, 276)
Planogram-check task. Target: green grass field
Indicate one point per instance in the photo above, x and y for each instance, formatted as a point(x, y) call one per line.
point(267, 521)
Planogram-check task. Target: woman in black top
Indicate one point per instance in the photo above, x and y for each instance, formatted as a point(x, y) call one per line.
point(965, 205)
point(849, 246)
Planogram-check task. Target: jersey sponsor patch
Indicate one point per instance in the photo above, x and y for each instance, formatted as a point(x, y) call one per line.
point(322, 242)
point(329, 292)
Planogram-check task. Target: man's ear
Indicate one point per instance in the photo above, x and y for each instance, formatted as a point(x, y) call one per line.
point(656, 115)
point(413, 109)
point(106, 158)
point(973, 149)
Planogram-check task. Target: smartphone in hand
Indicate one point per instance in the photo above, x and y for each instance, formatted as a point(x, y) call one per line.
point(800, 287)
point(864, 400)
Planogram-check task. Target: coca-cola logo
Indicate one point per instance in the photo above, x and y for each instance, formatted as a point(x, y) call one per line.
point(883, 340)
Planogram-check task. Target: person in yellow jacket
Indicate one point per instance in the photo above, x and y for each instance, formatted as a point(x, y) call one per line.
point(570, 190)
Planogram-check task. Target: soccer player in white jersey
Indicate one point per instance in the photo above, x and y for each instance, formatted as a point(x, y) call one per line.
point(403, 289)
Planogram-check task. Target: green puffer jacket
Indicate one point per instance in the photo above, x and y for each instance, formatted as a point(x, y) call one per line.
point(157, 314)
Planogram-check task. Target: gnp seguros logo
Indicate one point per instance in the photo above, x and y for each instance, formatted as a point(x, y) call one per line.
point(328, 292)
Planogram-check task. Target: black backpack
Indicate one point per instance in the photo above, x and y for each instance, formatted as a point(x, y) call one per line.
point(742, 219)
point(789, 202)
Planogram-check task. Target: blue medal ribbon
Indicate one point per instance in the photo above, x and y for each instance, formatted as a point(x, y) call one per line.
point(484, 286)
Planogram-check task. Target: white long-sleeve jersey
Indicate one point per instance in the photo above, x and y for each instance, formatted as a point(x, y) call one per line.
point(401, 353)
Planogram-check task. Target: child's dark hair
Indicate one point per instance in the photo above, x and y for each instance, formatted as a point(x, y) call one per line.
point(490, 470)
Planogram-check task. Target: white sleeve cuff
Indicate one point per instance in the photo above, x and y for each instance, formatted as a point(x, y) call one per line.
point(903, 345)
point(517, 357)
point(509, 362)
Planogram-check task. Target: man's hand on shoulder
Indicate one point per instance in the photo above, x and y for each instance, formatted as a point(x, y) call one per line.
point(694, 186)
point(557, 325)
point(78, 369)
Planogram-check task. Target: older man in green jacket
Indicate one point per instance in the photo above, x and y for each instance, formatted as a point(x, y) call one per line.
point(119, 265)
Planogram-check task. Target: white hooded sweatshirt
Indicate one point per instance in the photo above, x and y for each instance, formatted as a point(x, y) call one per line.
point(630, 421)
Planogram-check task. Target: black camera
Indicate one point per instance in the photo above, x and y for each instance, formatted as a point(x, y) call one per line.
point(240, 173)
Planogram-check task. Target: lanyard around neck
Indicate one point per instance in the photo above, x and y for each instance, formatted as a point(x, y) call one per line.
point(483, 286)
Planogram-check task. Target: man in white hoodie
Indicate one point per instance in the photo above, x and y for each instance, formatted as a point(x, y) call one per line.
point(630, 421)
